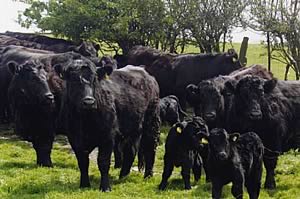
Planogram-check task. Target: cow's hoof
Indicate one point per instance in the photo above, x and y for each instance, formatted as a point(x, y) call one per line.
point(47, 164)
point(188, 187)
point(117, 166)
point(162, 186)
point(270, 186)
point(148, 174)
point(85, 185)
point(105, 189)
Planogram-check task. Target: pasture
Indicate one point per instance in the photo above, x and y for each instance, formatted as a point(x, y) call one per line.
point(21, 178)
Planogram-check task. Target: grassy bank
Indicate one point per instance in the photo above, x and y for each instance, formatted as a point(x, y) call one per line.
point(21, 178)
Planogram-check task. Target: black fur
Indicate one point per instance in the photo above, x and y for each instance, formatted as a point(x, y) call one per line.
point(182, 149)
point(99, 108)
point(236, 159)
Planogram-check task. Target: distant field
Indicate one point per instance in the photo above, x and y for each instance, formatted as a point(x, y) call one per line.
point(20, 178)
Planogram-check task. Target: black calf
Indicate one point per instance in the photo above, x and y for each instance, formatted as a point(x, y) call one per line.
point(182, 149)
point(236, 159)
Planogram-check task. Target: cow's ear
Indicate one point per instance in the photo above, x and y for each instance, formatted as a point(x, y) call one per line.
point(13, 67)
point(204, 138)
point(270, 85)
point(192, 92)
point(59, 70)
point(97, 47)
point(234, 137)
point(229, 87)
point(104, 72)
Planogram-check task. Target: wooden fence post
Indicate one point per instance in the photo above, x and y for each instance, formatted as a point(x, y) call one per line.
point(243, 51)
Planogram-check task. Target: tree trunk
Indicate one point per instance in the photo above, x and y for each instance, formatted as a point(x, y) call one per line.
point(224, 42)
point(287, 68)
point(269, 51)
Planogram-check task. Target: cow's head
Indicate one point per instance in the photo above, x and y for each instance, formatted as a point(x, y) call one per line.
point(81, 77)
point(107, 60)
point(206, 99)
point(88, 49)
point(29, 85)
point(250, 94)
point(230, 62)
point(191, 132)
point(220, 142)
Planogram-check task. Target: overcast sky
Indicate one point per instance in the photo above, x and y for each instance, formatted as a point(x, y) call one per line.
point(9, 14)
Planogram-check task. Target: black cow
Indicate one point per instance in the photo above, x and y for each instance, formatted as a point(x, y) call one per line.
point(85, 48)
point(182, 149)
point(101, 104)
point(210, 99)
point(174, 72)
point(48, 59)
point(33, 105)
point(170, 110)
point(35, 41)
point(236, 159)
point(271, 108)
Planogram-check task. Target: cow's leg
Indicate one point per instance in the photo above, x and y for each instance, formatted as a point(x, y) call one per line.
point(237, 184)
point(104, 157)
point(197, 170)
point(216, 189)
point(150, 137)
point(168, 169)
point(270, 165)
point(43, 147)
point(204, 156)
point(253, 181)
point(129, 152)
point(186, 174)
point(83, 163)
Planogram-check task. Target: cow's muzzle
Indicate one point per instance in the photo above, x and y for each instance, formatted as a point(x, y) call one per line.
point(211, 116)
point(255, 115)
point(88, 102)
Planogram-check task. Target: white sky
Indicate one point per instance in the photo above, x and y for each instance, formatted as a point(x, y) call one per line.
point(9, 14)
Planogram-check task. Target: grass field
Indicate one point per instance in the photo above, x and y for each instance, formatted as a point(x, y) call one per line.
point(20, 178)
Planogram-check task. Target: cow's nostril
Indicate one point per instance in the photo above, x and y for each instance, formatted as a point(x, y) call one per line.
point(222, 155)
point(49, 96)
point(89, 100)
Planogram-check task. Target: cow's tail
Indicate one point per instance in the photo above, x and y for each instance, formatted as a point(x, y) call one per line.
point(150, 138)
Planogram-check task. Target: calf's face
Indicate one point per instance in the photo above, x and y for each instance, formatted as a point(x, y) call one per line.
point(206, 99)
point(219, 143)
point(29, 85)
point(192, 132)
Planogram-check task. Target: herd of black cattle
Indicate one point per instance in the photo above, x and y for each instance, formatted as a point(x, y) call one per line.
point(52, 86)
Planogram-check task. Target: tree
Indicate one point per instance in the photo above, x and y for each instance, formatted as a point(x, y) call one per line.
point(212, 19)
point(119, 23)
point(281, 20)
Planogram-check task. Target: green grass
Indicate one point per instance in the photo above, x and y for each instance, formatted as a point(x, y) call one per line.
point(20, 178)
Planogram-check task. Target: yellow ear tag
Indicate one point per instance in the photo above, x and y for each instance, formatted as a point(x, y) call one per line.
point(178, 130)
point(234, 60)
point(234, 138)
point(204, 141)
point(106, 77)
